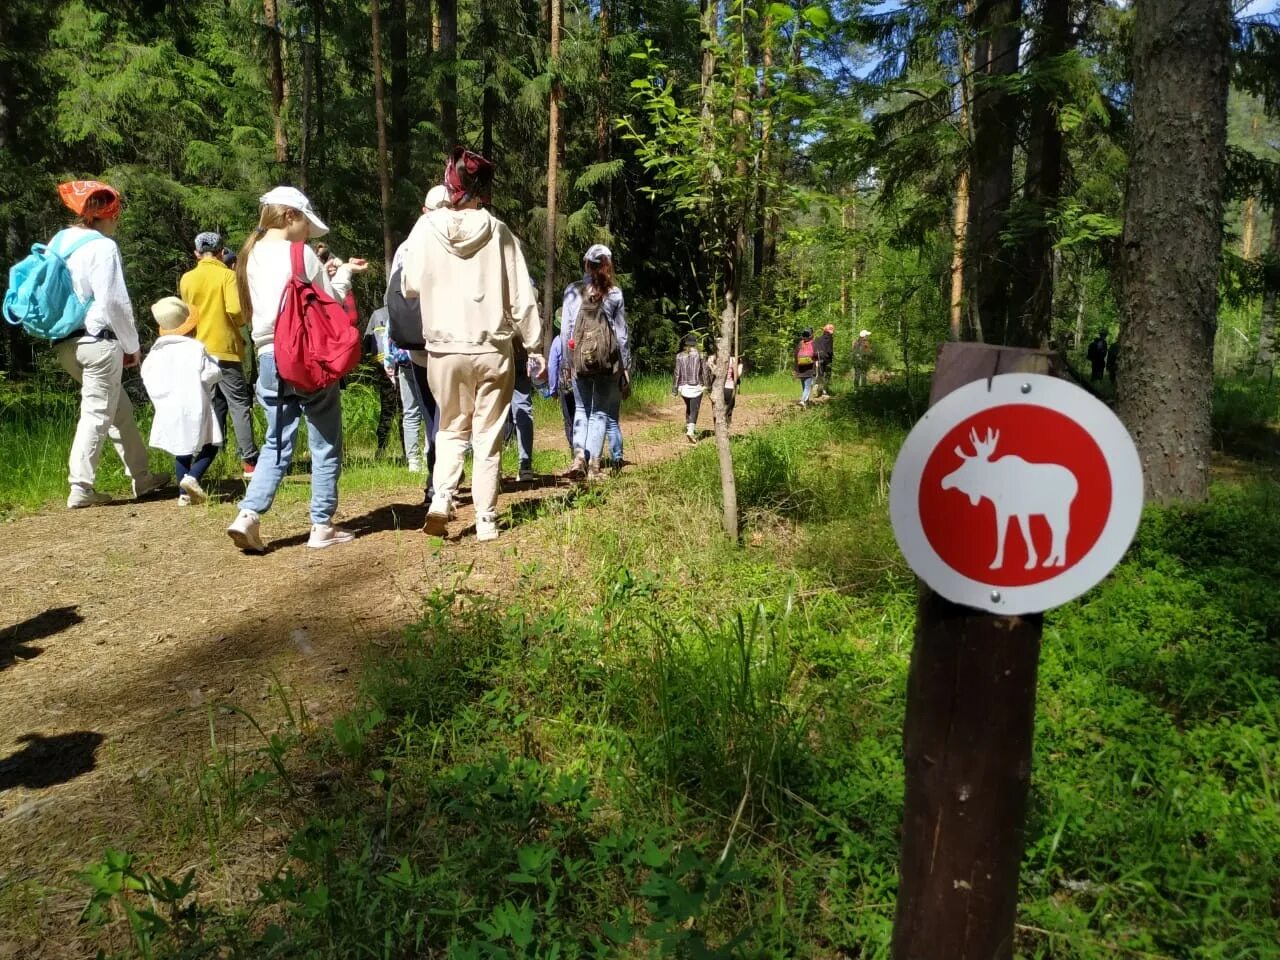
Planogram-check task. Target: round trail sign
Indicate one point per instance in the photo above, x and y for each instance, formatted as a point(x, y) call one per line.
point(1016, 494)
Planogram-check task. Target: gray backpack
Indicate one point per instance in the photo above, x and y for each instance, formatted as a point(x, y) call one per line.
point(595, 348)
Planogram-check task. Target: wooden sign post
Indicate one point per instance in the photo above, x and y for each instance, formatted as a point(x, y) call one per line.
point(1013, 495)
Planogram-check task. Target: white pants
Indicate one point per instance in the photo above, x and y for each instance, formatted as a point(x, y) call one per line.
point(473, 392)
point(105, 410)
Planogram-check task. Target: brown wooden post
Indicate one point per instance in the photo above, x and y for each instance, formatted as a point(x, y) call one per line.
point(967, 745)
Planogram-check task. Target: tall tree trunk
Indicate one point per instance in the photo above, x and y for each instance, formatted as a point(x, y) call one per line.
point(489, 96)
point(380, 115)
point(1266, 358)
point(1031, 295)
point(1249, 240)
point(741, 120)
point(604, 125)
point(304, 162)
point(275, 63)
point(398, 54)
point(710, 30)
point(725, 348)
point(995, 125)
point(1181, 61)
point(960, 209)
point(317, 82)
point(553, 160)
point(448, 48)
point(763, 157)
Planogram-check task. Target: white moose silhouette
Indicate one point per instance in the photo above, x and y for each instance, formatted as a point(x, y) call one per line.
point(1019, 489)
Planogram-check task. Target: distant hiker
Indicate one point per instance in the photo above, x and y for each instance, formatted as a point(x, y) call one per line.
point(228, 257)
point(97, 354)
point(469, 273)
point(264, 271)
point(595, 330)
point(560, 381)
point(824, 354)
point(376, 342)
point(732, 378)
point(520, 420)
point(806, 360)
point(690, 384)
point(1113, 360)
point(210, 290)
point(181, 378)
point(863, 354)
point(398, 368)
point(1097, 355)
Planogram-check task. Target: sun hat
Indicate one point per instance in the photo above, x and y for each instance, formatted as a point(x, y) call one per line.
point(173, 317)
point(208, 242)
point(864, 333)
point(295, 199)
point(437, 197)
point(596, 253)
point(77, 193)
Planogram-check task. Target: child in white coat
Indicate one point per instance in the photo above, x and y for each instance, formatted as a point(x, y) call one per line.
point(179, 376)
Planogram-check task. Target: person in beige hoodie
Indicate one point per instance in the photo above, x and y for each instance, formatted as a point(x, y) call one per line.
point(469, 274)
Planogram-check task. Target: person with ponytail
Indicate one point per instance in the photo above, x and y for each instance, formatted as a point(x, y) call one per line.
point(263, 270)
point(97, 355)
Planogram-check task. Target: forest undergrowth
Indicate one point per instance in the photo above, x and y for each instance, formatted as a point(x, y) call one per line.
point(691, 750)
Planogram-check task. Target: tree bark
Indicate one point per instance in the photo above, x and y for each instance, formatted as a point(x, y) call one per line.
point(317, 85)
point(763, 157)
point(604, 125)
point(1266, 358)
point(726, 347)
point(398, 55)
point(448, 49)
point(710, 28)
point(275, 63)
point(489, 95)
point(1181, 63)
point(995, 124)
point(380, 115)
point(553, 160)
point(1249, 238)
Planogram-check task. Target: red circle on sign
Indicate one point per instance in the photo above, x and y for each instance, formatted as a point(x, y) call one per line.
point(1048, 475)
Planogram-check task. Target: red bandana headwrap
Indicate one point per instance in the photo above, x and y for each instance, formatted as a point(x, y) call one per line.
point(467, 176)
point(78, 192)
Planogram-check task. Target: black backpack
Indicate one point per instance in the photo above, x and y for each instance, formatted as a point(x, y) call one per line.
point(404, 316)
point(595, 348)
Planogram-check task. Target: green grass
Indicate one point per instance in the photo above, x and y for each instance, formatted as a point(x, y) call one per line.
point(654, 743)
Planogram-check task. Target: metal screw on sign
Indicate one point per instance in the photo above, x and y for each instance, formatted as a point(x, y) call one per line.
point(1026, 388)
point(995, 596)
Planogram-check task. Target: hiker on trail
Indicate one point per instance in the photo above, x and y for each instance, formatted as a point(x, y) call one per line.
point(264, 271)
point(732, 378)
point(210, 290)
point(377, 349)
point(1097, 355)
point(181, 378)
point(690, 384)
point(520, 420)
point(97, 354)
point(469, 274)
point(1113, 360)
point(595, 330)
point(824, 353)
point(806, 360)
point(398, 370)
point(560, 381)
point(863, 354)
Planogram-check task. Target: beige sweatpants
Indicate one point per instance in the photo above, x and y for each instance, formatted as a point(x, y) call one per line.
point(473, 393)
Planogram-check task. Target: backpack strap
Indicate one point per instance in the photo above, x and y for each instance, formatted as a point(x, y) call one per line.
point(298, 260)
point(90, 236)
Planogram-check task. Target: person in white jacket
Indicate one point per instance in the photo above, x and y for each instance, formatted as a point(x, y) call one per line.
point(468, 272)
point(97, 356)
point(179, 376)
point(263, 270)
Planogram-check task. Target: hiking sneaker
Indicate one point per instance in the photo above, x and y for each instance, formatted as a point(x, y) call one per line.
point(327, 535)
point(245, 532)
point(149, 484)
point(184, 500)
point(487, 527)
point(526, 474)
point(81, 497)
point(594, 473)
point(248, 469)
point(578, 469)
point(191, 488)
point(438, 516)
point(415, 466)
point(691, 437)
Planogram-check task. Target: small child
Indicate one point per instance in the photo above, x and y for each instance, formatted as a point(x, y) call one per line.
point(179, 376)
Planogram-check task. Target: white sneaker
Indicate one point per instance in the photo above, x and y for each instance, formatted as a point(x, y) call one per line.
point(245, 532)
point(184, 500)
point(415, 466)
point(327, 535)
point(81, 497)
point(149, 484)
point(438, 515)
point(487, 527)
point(191, 487)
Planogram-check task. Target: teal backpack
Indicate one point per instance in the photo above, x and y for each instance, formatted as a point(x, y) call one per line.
point(41, 298)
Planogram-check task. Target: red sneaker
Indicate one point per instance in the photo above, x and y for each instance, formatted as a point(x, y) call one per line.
point(248, 471)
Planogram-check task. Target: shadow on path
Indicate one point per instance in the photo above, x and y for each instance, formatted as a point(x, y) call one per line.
point(47, 761)
point(14, 639)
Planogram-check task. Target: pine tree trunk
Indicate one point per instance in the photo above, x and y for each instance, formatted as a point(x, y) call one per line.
point(604, 125)
point(959, 228)
point(380, 115)
point(553, 160)
point(1266, 358)
point(398, 54)
point(1031, 295)
point(489, 97)
point(763, 157)
point(725, 348)
point(448, 49)
point(317, 81)
point(1181, 62)
point(995, 127)
point(304, 162)
point(275, 63)
point(710, 28)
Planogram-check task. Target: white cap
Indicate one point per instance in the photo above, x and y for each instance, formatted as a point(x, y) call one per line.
point(437, 197)
point(864, 333)
point(596, 253)
point(295, 199)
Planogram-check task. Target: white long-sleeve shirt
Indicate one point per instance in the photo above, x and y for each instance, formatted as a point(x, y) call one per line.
point(96, 271)
point(270, 268)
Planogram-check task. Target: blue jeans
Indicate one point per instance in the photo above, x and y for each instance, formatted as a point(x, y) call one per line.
point(196, 466)
point(324, 433)
point(521, 422)
point(613, 432)
point(595, 398)
point(805, 389)
point(569, 413)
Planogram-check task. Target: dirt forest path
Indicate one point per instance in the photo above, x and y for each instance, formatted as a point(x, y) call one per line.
point(117, 626)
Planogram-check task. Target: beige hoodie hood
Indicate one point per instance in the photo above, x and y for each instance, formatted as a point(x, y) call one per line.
point(464, 233)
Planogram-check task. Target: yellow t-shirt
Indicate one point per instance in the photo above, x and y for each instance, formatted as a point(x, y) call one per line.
point(210, 290)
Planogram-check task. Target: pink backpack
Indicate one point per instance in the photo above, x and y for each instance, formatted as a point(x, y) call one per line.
point(315, 343)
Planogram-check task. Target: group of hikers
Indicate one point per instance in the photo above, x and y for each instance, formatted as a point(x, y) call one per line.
point(1103, 356)
point(459, 340)
point(815, 357)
